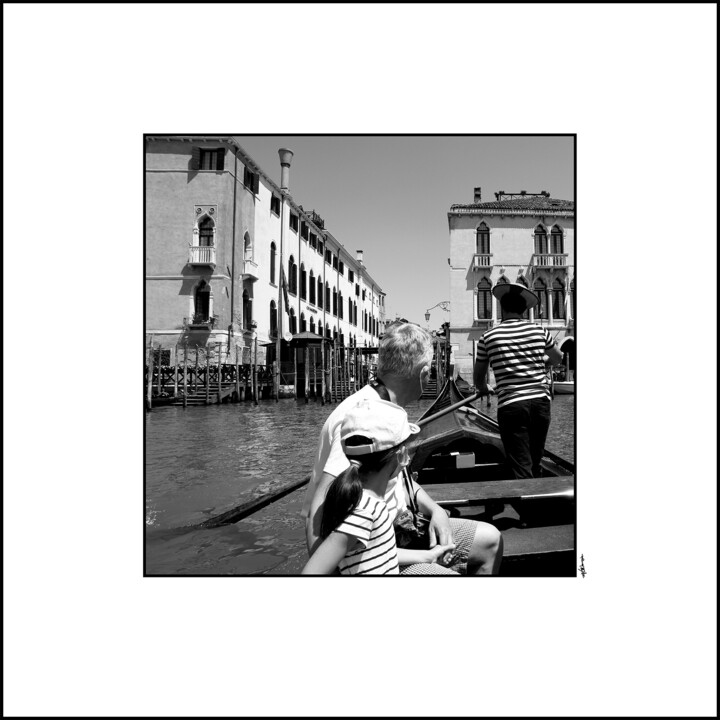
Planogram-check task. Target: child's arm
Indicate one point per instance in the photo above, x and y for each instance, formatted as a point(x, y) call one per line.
point(327, 557)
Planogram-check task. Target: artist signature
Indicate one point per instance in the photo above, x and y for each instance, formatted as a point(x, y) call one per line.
point(582, 566)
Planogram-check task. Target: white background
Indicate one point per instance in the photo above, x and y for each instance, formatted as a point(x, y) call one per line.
point(86, 634)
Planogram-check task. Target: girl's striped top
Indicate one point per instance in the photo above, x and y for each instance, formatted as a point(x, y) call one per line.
point(375, 552)
point(515, 350)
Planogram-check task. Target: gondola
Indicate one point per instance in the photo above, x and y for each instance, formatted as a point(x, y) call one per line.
point(458, 458)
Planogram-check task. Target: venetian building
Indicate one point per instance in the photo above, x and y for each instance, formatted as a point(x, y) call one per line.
point(525, 238)
point(214, 252)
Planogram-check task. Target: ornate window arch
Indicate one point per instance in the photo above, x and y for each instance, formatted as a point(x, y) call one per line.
point(541, 240)
point(558, 299)
point(557, 240)
point(482, 239)
point(292, 275)
point(540, 289)
point(484, 299)
point(206, 231)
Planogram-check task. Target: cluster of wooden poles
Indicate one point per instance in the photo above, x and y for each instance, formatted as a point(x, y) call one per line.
point(329, 374)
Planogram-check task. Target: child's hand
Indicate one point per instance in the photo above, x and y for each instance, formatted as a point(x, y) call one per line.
point(441, 554)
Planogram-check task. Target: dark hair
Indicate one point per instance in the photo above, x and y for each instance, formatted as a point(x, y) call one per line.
point(513, 303)
point(345, 491)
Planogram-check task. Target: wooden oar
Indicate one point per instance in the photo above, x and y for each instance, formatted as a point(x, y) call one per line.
point(451, 408)
point(247, 508)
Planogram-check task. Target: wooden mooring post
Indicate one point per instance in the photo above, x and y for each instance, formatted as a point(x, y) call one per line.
point(307, 374)
point(195, 377)
point(185, 388)
point(207, 374)
point(237, 377)
point(175, 367)
point(254, 371)
point(295, 377)
point(150, 372)
point(219, 352)
point(322, 372)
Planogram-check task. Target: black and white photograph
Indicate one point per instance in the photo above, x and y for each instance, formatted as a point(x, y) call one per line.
point(296, 292)
point(269, 317)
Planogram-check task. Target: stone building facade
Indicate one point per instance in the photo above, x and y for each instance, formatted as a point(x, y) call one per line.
point(213, 257)
point(519, 237)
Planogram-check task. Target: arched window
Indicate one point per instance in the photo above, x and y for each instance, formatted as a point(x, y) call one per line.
point(340, 305)
point(556, 240)
point(482, 240)
point(334, 310)
point(206, 229)
point(335, 334)
point(522, 281)
point(312, 287)
point(303, 324)
point(342, 339)
point(540, 289)
point(327, 333)
point(312, 324)
point(248, 247)
point(558, 298)
point(273, 252)
point(350, 310)
point(320, 329)
point(247, 309)
point(327, 296)
point(541, 241)
point(292, 276)
point(355, 314)
point(484, 299)
point(303, 282)
point(293, 322)
point(202, 302)
point(320, 293)
point(273, 319)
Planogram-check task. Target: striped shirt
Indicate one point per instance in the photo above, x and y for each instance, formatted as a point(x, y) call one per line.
point(375, 552)
point(515, 350)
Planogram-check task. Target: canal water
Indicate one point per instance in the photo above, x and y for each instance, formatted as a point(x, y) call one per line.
point(201, 461)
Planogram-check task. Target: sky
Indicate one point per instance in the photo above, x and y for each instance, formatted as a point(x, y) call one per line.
point(389, 196)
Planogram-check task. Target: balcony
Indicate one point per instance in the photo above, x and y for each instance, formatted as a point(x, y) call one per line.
point(199, 321)
point(549, 261)
point(202, 255)
point(482, 261)
point(251, 270)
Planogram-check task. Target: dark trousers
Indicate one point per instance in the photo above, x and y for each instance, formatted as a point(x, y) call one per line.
point(523, 428)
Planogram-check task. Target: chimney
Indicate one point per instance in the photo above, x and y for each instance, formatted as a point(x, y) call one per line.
point(359, 257)
point(285, 159)
point(477, 195)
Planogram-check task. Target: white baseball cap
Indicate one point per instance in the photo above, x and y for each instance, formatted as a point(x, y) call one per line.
point(383, 423)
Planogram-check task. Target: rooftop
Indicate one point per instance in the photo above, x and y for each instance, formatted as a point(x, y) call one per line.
point(522, 201)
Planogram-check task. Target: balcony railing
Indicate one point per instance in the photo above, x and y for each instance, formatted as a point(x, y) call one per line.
point(251, 270)
point(482, 260)
point(201, 321)
point(202, 255)
point(545, 261)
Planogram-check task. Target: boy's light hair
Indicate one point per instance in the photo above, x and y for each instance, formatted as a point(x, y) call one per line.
point(404, 350)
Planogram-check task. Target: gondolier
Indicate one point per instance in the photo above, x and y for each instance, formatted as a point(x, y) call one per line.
point(519, 352)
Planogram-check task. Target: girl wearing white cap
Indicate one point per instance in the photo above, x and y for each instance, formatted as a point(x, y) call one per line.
point(357, 531)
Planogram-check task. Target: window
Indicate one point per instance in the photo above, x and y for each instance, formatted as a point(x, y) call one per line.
point(251, 181)
point(208, 159)
point(312, 287)
point(521, 281)
point(320, 329)
point(350, 310)
point(207, 232)
point(354, 315)
point(541, 241)
point(313, 241)
point(247, 310)
point(484, 299)
point(293, 322)
point(312, 324)
point(248, 246)
point(303, 230)
point(556, 240)
point(363, 294)
point(340, 305)
point(342, 268)
point(275, 204)
point(327, 296)
point(328, 257)
point(482, 240)
point(293, 222)
point(202, 302)
point(335, 262)
point(303, 282)
point(540, 289)
point(303, 324)
point(335, 303)
point(357, 291)
point(558, 300)
point(273, 319)
point(351, 276)
point(319, 292)
point(273, 252)
point(501, 281)
point(292, 276)
point(320, 247)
